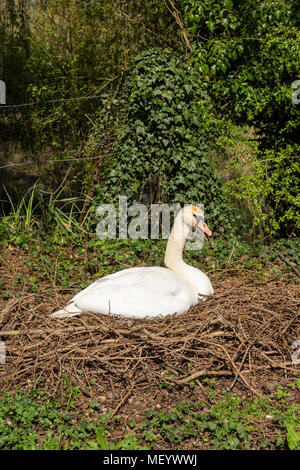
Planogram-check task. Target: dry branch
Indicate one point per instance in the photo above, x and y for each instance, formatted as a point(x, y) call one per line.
point(289, 263)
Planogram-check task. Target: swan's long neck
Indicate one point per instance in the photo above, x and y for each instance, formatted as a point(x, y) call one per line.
point(173, 260)
point(173, 256)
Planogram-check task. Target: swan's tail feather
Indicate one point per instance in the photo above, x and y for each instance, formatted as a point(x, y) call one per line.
point(69, 311)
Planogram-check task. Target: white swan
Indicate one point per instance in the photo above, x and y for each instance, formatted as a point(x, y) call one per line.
point(150, 291)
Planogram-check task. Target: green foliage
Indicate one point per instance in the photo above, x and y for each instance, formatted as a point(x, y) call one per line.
point(14, 52)
point(23, 415)
point(60, 54)
point(230, 423)
point(51, 213)
point(162, 153)
point(64, 67)
point(128, 443)
point(33, 420)
point(248, 53)
point(266, 181)
point(164, 112)
point(293, 438)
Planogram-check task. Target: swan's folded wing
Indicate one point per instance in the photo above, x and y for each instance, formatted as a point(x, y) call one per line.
point(136, 292)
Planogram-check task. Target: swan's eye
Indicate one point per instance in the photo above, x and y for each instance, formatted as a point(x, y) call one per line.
point(196, 218)
point(199, 217)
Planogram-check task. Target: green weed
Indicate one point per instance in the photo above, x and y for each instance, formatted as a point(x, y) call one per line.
point(34, 420)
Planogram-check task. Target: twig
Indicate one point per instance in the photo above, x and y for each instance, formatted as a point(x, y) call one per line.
point(12, 303)
point(121, 403)
point(177, 15)
point(289, 263)
point(232, 251)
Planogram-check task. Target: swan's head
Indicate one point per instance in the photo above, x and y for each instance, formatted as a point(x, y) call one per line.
point(193, 217)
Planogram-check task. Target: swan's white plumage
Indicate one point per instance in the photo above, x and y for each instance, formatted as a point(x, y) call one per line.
point(146, 292)
point(135, 292)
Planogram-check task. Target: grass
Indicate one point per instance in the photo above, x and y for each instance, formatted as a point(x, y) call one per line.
point(33, 419)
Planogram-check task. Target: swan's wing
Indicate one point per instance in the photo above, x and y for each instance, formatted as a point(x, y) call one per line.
point(124, 277)
point(136, 292)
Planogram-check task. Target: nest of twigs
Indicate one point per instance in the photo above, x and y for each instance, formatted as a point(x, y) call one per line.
point(244, 331)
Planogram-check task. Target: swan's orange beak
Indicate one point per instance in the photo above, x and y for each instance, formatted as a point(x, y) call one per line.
point(203, 228)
